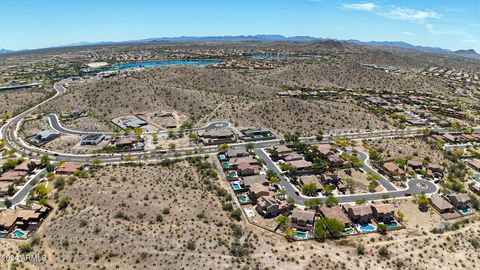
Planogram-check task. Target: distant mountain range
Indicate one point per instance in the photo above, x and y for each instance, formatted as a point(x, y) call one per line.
point(467, 53)
point(271, 38)
point(2, 51)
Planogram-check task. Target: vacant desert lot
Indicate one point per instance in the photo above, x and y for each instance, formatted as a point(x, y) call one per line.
point(16, 102)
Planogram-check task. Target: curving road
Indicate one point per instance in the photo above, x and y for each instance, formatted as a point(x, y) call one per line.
point(414, 186)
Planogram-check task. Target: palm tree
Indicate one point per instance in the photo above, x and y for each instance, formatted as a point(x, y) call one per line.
point(309, 189)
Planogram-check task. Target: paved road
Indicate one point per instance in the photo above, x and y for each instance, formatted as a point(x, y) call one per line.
point(366, 167)
point(57, 126)
point(413, 186)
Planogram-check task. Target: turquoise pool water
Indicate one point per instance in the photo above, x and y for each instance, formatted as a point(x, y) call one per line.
point(154, 64)
point(232, 174)
point(392, 224)
point(367, 228)
point(466, 211)
point(222, 158)
point(300, 235)
point(225, 164)
point(2, 234)
point(236, 186)
point(243, 198)
point(18, 234)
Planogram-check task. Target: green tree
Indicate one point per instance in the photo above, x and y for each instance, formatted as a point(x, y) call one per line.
point(250, 146)
point(283, 222)
point(314, 203)
point(382, 228)
point(319, 231)
point(350, 184)
point(334, 227)
point(331, 201)
point(31, 166)
point(309, 189)
point(273, 180)
point(290, 234)
point(223, 147)
point(45, 160)
point(400, 216)
point(96, 162)
point(422, 201)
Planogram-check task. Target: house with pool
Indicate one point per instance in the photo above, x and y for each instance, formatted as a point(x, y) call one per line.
point(362, 216)
point(384, 213)
point(336, 212)
point(21, 222)
point(269, 207)
point(303, 220)
point(461, 202)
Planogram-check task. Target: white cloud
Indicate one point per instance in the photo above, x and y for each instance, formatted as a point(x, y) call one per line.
point(406, 14)
point(408, 34)
point(360, 6)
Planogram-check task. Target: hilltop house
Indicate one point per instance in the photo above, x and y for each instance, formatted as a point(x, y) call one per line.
point(393, 169)
point(256, 134)
point(259, 190)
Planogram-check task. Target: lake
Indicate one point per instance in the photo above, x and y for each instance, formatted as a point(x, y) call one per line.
point(154, 64)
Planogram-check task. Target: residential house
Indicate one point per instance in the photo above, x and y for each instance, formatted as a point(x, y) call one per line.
point(308, 179)
point(336, 212)
point(217, 136)
point(92, 139)
point(324, 150)
point(474, 163)
point(361, 214)
point(47, 135)
point(450, 138)
point(302, 220)
point(282, 150)
point(292, 157)
point(301, 165)
point(12, 176)
point(245, 166)
point(27, 219)
point(441, 205)
point(459, 200)
point(268, 207)
point(435, 170)
point(255, 179)
point(259, 190)
point(256, 134)
point(383, 212)
point(237, 152)
point(69, 168)
point(475, 187)
point(335, 160)
point(330, 178)
point(415, 165)
point(393, 169)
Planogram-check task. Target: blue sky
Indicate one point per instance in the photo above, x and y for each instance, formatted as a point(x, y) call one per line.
point(451, 24)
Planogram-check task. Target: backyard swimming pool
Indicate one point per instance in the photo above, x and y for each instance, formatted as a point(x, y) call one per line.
point(236, 186)
point(232, 174)
point(392, 224)
point(243, 198)
point(18, 234)
point(466, 211)
point(226, 165)
point(300, 235)
point(222, 158)
point(366, 228)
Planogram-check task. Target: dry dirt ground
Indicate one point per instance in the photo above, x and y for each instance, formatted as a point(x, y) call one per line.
point(16, 102)
point(211, 94)
point(415, 148)
point(90, 233)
